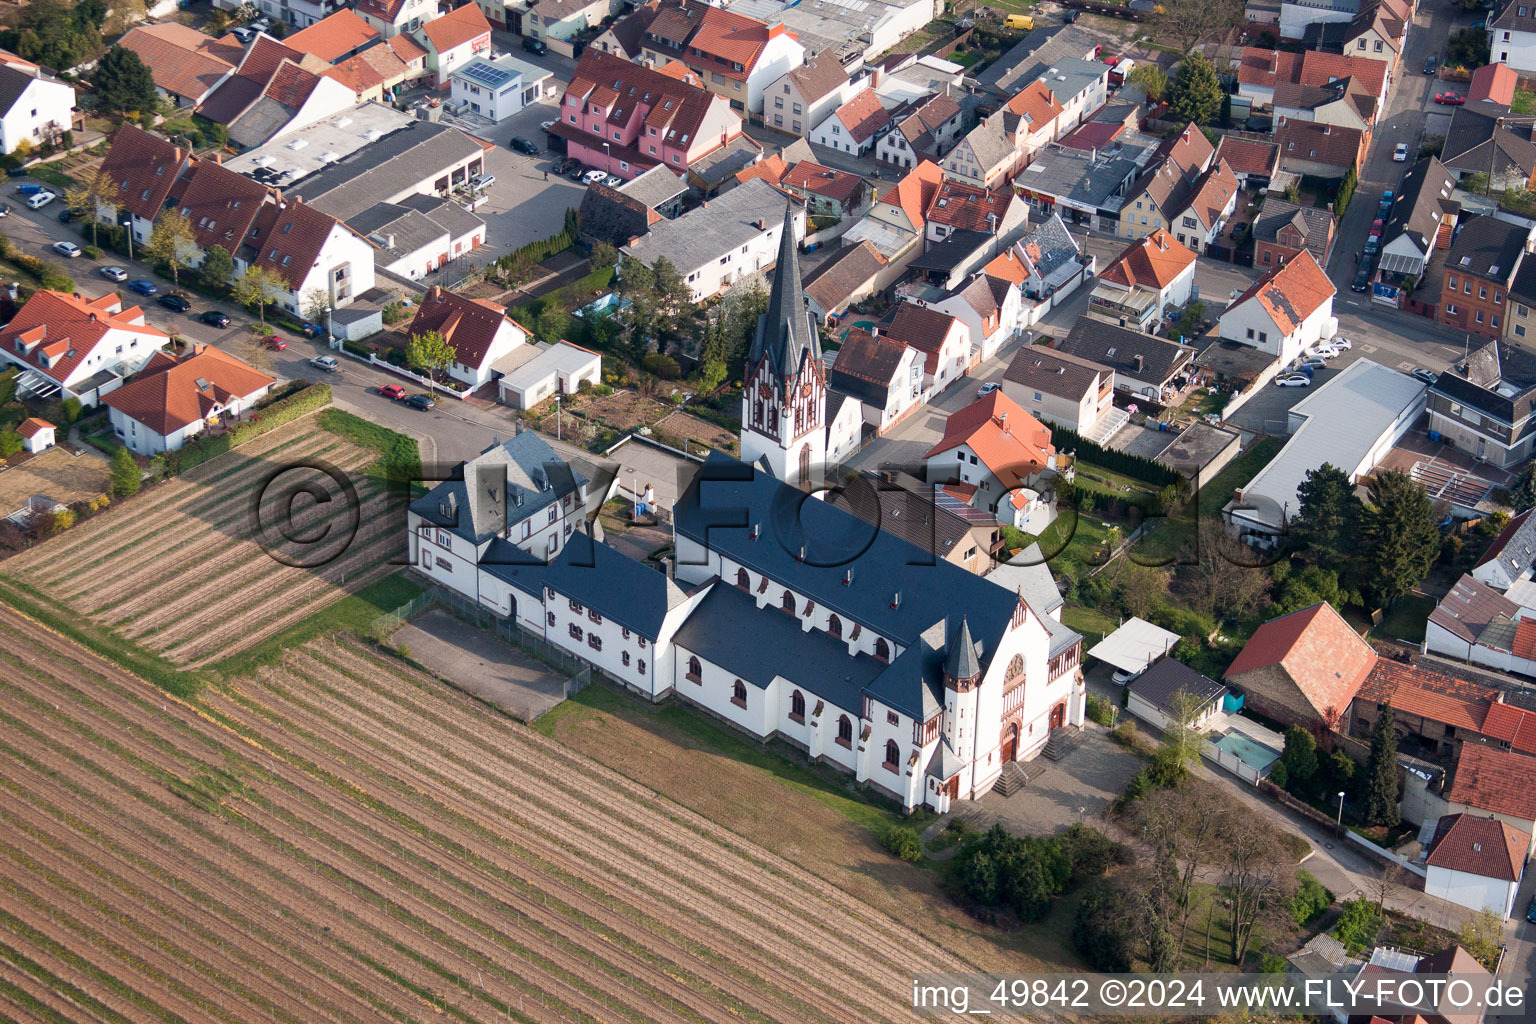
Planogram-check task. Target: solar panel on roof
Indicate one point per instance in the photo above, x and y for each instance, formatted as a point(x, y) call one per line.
point(485, 74)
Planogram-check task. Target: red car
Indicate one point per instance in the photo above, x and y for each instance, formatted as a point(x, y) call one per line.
point(394, 391)
point(1453, 99)
point(275, 343)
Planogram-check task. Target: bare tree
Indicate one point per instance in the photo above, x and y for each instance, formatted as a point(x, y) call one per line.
point(1224, 573)
point(1187, 823)
point(1188, 23)
point(1387, 882)
point(1258, 875)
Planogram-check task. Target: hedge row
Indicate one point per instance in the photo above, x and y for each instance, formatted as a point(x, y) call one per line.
point(270, 417)
point(1134, 466)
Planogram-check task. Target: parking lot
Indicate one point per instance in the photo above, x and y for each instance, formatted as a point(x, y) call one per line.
point(522, 206)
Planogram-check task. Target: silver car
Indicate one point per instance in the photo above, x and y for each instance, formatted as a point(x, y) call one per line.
point(114, 273)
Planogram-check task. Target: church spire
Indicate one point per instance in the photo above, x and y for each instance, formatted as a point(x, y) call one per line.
point(962, 667)
point(786, 333)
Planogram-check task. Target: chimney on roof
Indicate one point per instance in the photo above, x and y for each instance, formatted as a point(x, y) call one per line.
point(218, 158)
point(1138, 361)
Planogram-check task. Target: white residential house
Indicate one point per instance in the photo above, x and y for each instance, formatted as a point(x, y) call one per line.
point(36, 434)
point(33, 108)
point(944, 339)
point(1511, 558)
point(854, 127)
point(992, 448)
point(454, 40)
point(1285, 312)
point(558, 369)
point(805, 96)
point(391, 18)
point(1512, 36)
point(171, 401)
point(884, 374)
point(1476, 862)
point(1058, 387)
point(496, 89)
point(68, 346)
point(990, 306)
point(1211, 203)
point(478, 329)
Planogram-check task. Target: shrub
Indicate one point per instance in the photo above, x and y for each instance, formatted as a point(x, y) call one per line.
point(60, 520)
point(1311, 898)
point(395, 312)
point(1102, 932)
point(91, 252)
point(1358, 926)
point(261, 330)
point(1134, 466)
point(10, 443)
point(71, 408)
point(404, 650)
point(1273, 963)
point(902, 842)
point(662, 366)
point(1100, 710)
point(125, 474)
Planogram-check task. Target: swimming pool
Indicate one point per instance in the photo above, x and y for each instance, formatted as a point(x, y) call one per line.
point(1254, 755)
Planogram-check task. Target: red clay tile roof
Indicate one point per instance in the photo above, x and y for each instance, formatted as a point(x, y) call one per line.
point(1495, 82)
point(1269, 67)
point(1005, 437)
point(1490, 779)
point(469, 325)
point(60, 323)
point(31, 425)
point(1245, 156)
point(265, 55)
point(141, 168)
point(1337, 145)
point(334, 36)
point(1324, 657)
point(406, 48)
point(1479, 846)
point(1524, 643)
point(965, 207)
point(288, 241)
point(1215, 189)
point(771, 169)
point(181, 60)
point(221, 205)
point(459, 26)
point(922, 328)
point(822, 181)
point(1152, 262)
point(1290, 293)
point(675, 109)
point(169, 394)
point(863, 115)
point(731, 37)
point(384, 10)
point(1190, 151)
point(1426, 692)
point(915, 191)
point(1036, 104)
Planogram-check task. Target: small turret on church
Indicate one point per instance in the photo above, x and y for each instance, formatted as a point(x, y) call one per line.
point(962, 677)
point(784, 401)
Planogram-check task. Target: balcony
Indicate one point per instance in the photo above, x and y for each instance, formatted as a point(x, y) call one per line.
point(1137, 306)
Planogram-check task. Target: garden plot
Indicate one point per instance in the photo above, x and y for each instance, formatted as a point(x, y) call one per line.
point(198, 569)
point(64, 477)
point(345, 839)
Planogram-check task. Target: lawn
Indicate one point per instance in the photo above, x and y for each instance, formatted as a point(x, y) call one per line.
point(1406, 620)
point(1524, 102)
point(1165, 541)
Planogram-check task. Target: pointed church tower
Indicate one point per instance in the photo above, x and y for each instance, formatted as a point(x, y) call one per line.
point(784, 401)
point(962, 675)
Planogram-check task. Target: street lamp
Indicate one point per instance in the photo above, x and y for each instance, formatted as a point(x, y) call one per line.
point(1340, 822)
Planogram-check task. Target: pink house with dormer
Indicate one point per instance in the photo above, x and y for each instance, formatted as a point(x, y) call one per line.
point(625, 118)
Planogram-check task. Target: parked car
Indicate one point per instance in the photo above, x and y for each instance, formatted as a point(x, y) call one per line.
point(1343, 344)
point(1431, 65)
point(4, 210)
point(1530, 911)
point(592, 177)
point(66, 215)
point(274, 343)
point(243, 33)
point(113, 273)
point(534, 45)
point(69, 250)
point(1293, 380)
point(394, 391)
point(1400, 152)
point(1121, 676)
point(1305, 371)
point(524, 146)
point(481, 182)
point(575, 171)
point(986, 389)
point(143, 287)
point(1450, 99)
point(566, 163)
point(1427, 376)
point(421, 401)
point(175, 302)
point(1362, 281)
point(1372, 244)
point(215, 318)
point(326, 363)
point(41, 199)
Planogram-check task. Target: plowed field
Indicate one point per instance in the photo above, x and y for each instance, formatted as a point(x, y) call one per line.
point(182, 570)
point(343, 839)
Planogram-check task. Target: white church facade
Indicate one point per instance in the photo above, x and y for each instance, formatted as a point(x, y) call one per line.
point(783, 615)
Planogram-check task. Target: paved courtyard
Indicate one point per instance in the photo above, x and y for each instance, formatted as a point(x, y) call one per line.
point(475, 661)
point(1077, 788)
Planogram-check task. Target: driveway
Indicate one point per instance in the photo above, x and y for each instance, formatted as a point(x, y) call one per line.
point(1077, 788)
point(475, 660)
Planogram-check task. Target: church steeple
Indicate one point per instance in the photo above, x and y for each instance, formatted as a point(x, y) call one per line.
point(786, 331)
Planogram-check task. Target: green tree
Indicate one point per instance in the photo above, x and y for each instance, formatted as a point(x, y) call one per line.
point(1299, 758)
point(258, 287)
point(604, 255)
point(124, 84)
point(124, 472)
point(429, 352)
point(1381, 773)
point(10, 443)
point(218, 269)
point(1152, 79)
point(314, 304)
point(1194, 94)
point(86, 200)
point(172, 243)
point(1400, 537)
point(1523, 495)
point(72, 408)
point(552, 324)
point(1482, 935)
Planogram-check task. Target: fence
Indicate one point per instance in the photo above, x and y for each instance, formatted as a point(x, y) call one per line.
point(1306, 810)
point(960, 39)
point(578, 673)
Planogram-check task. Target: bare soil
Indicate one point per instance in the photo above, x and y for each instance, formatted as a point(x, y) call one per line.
point(346, 839)
point(685, 424)
point(62, 476)
point(622, 410)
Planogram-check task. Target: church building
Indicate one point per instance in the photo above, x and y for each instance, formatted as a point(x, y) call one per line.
point(791, 424)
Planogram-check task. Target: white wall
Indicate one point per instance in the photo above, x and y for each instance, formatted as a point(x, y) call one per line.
point(1236, 323)
point(342, 245)
point(41, 104)
point(1472, 891)
point(1518, 51)
point(782, 54)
